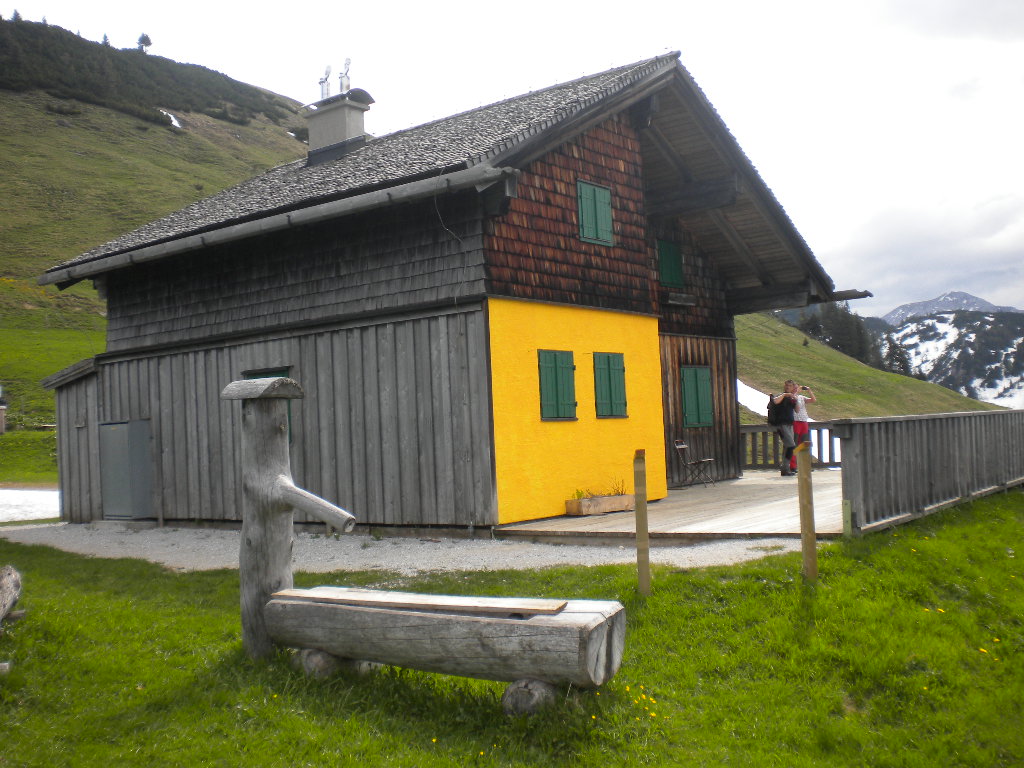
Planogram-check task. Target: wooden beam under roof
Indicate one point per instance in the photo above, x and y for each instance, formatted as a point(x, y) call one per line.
point(746, 300)
point(771, 211)
point(694, 196)
point(664, 146)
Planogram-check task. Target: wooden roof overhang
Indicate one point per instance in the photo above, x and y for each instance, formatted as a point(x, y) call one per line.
point(695, 170)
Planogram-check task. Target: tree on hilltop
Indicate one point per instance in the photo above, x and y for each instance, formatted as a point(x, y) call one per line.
point(144, 42)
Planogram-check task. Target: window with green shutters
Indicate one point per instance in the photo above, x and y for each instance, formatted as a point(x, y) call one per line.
point(557, 384)
point(670, 264)
point(595, 208)
point(697, 406)
point(609, 384)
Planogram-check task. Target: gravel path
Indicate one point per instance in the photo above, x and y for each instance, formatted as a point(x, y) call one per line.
point(195, 549)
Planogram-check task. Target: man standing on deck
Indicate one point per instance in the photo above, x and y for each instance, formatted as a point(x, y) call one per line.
point(785, 405)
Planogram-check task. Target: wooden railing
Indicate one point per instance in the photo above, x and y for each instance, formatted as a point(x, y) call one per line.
point(761, 448)
point(901, 467)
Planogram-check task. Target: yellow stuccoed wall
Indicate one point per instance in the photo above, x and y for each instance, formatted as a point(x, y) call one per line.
point(539, 464)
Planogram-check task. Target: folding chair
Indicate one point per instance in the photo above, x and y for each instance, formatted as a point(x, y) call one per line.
point(695, 470)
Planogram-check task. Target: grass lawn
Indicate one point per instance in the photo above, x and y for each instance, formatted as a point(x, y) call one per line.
point(28, 458)
point(908, 652)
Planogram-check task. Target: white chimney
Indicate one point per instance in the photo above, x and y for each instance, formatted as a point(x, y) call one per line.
point(337, 120)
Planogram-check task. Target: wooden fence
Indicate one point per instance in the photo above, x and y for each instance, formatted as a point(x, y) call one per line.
point(902, 467)
point(761, 448)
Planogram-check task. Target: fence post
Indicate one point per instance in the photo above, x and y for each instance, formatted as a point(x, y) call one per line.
point(808, 537)
point(269, 497)
point(643, 541)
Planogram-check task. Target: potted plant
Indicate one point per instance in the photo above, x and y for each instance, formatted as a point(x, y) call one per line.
point(586, 502)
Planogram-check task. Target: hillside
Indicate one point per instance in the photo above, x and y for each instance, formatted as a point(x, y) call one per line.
point(37, 56)
point(769, 351)
point(80, 174)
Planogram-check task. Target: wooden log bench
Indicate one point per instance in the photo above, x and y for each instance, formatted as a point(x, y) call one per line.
point(509, 639)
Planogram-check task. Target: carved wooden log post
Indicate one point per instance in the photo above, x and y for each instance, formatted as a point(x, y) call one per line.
point(10, 592)
point(269, 497)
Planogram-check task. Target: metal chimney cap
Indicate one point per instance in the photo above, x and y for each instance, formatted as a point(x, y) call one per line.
point(359, 95)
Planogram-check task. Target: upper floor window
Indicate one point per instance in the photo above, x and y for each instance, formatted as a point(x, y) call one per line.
point(670, 264)
point(595, 208)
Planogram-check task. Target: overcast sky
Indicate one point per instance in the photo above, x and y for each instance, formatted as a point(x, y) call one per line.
point(890, 130)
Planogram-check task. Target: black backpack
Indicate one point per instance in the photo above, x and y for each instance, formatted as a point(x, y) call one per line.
point(773, 411)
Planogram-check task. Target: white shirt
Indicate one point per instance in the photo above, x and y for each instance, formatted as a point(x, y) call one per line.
point(800, 411)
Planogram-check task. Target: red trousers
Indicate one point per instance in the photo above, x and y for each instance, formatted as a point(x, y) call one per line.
point(800, 430)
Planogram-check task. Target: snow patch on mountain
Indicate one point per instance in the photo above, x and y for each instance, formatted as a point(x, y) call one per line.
point(979, 354)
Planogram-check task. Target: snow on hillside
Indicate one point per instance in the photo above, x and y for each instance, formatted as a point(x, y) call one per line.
point(979, 354)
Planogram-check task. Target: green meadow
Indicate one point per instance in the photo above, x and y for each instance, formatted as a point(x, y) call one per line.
point(908, 651)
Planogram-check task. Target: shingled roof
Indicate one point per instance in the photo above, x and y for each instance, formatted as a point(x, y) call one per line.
point(440, 147)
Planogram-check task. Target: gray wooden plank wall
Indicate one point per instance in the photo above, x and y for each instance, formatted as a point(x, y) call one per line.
point(78, 466)
point(395, 425)
point(418, 254)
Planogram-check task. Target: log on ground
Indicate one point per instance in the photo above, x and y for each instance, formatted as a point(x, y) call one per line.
point(582, 643)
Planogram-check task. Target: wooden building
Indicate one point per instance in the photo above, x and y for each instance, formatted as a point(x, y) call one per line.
point(488, 313)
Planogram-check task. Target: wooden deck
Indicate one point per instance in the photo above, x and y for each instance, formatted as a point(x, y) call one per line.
point(759, 504)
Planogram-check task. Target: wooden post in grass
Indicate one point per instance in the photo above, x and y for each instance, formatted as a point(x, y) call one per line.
point(643, 541)
point(808, 537)
point(269, 499)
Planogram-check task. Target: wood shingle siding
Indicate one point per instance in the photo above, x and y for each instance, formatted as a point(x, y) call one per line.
point(417, 255)
point(395, 425)
point(535, 251)
point(705, 312)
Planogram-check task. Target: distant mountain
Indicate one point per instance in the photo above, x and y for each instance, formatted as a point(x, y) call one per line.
point(947, 302)
point(978, 354)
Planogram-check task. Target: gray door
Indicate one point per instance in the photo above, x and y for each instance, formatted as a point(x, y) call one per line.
point(126, 473)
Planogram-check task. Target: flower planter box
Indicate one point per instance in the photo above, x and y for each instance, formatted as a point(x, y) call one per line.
point(599, 505)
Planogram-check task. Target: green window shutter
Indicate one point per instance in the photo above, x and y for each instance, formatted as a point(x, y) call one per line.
point(603, 213)
point(588, 217)
point(595, 209)
point(697, 405)
point(609, 384)
point(557, 384)
point(670, 264)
